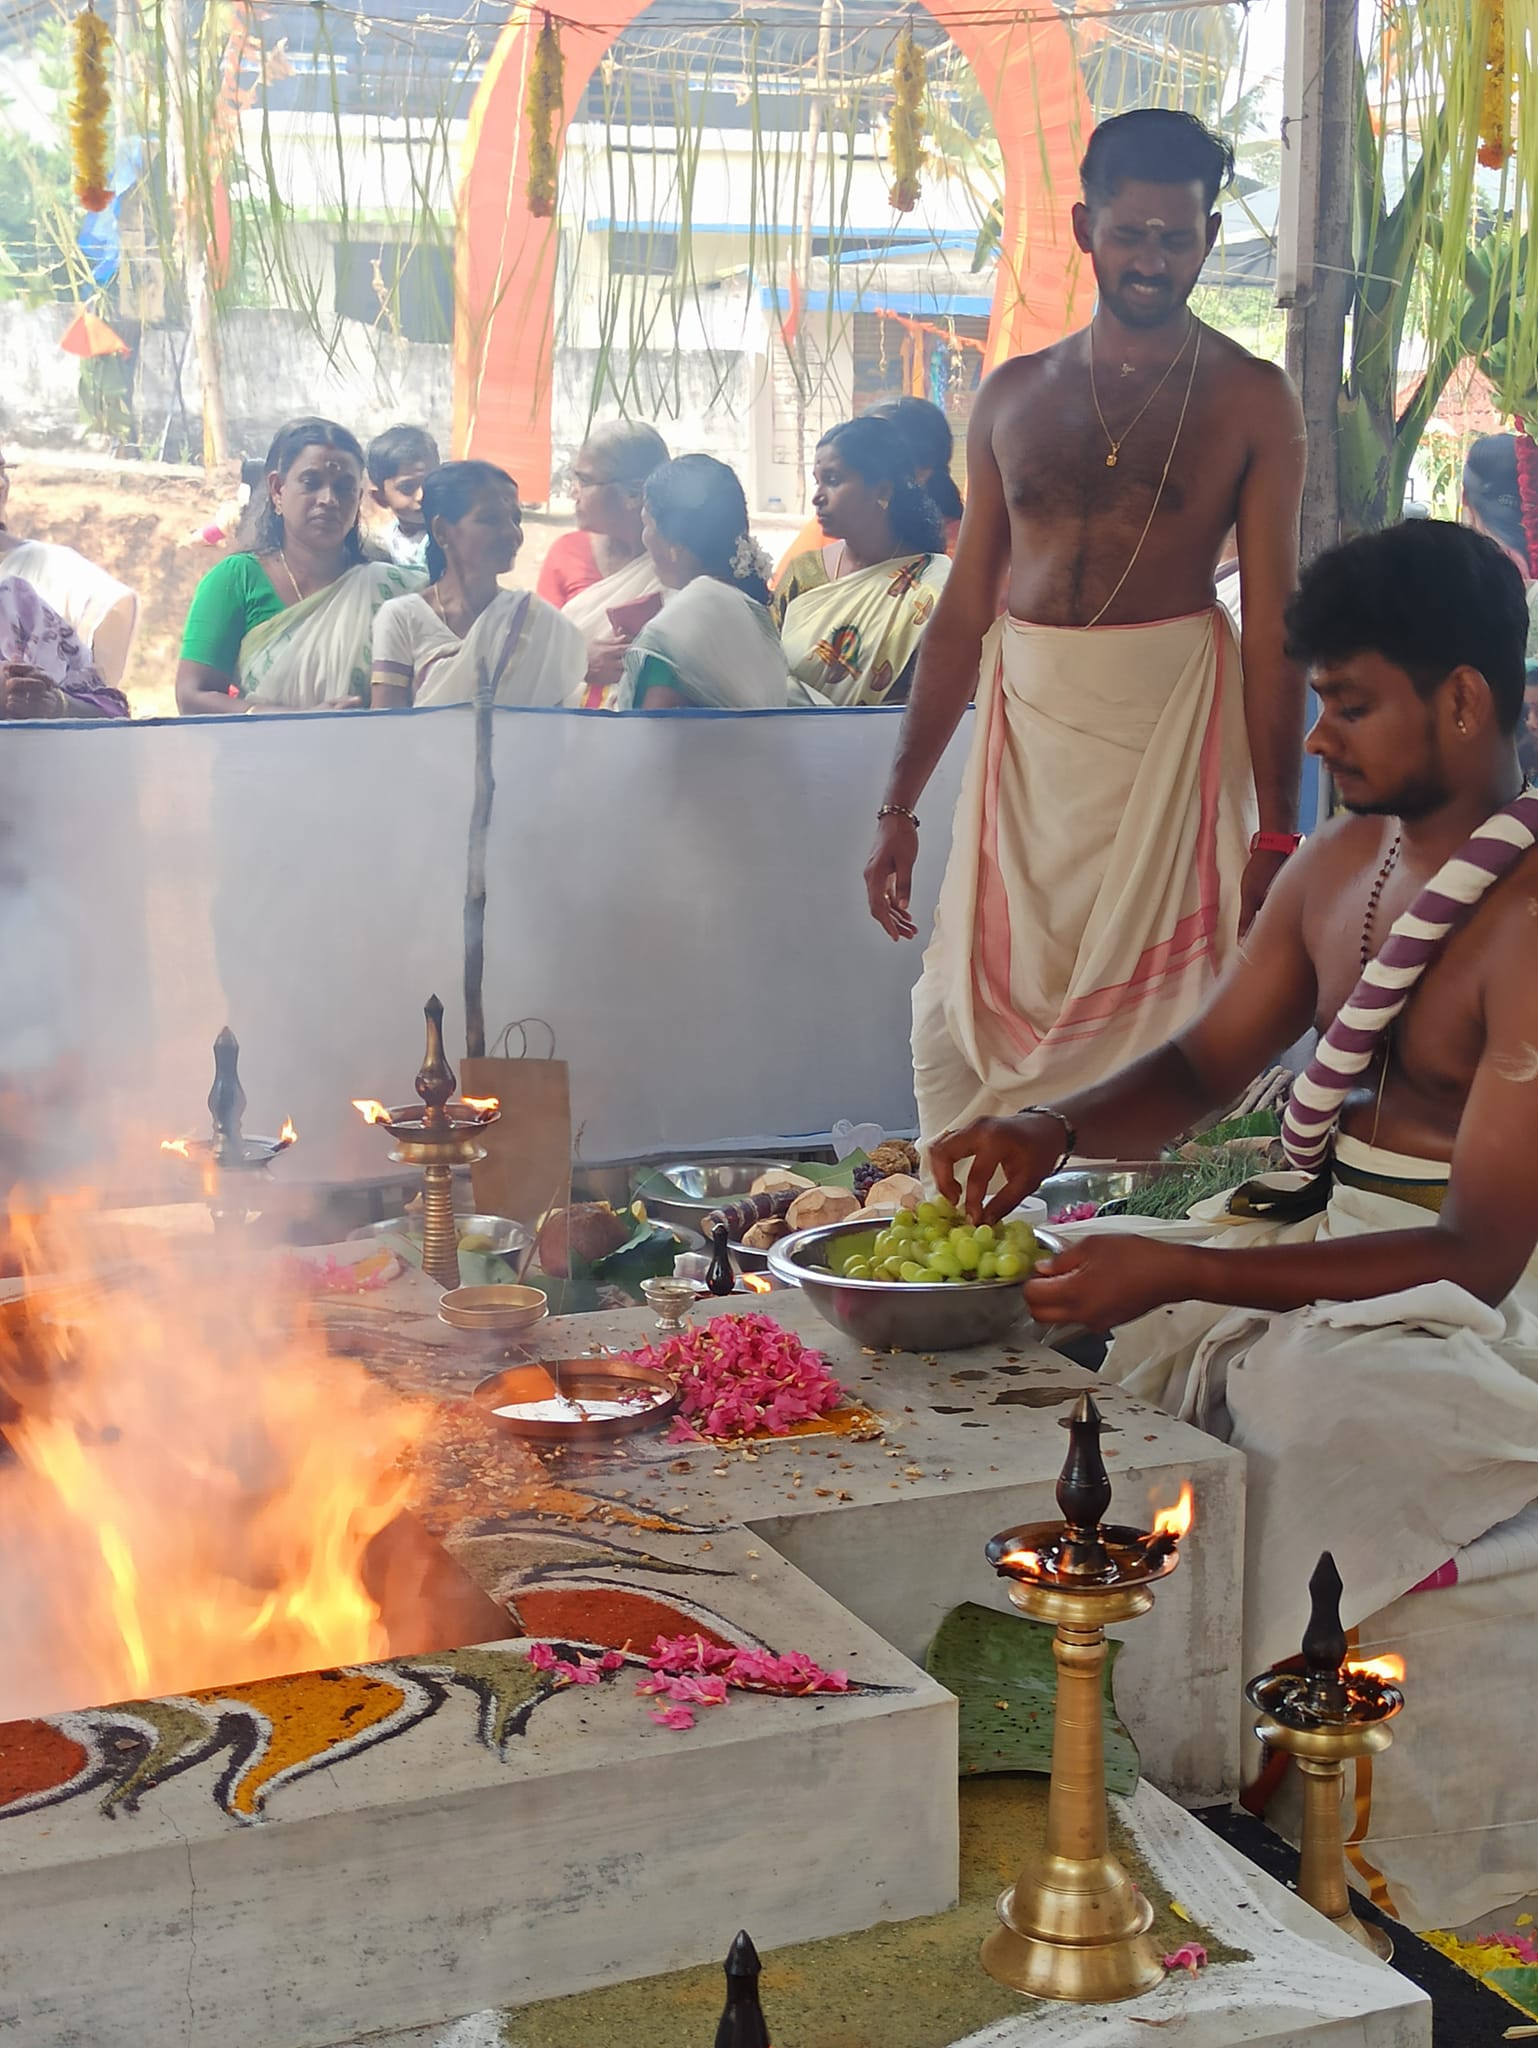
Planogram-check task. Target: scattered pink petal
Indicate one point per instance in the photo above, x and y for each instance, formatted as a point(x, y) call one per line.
point(1189, 1956)
point(675, 1717)
point(542, 1657)
point(612, 1660)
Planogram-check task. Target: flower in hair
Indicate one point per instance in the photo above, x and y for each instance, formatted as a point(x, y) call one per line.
point(749, 559)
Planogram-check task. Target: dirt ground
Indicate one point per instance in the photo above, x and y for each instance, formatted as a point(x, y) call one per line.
point(139, 522)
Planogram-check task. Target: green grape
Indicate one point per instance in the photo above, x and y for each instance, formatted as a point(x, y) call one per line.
point(903, 1224)
point(988, 1266)
point(928, 1212)
point(943, 1260)
point(968, 1256)
point(985, 1235)
point(891, 1269)
point(885, 1247)
point(1010, 1264)
point(857, 1269)
point(911, 1270)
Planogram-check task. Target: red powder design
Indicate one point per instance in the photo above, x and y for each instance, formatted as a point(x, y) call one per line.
point(588, 1614)
point(36, 1757)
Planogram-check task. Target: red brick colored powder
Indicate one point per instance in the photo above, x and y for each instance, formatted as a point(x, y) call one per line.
point(35, 1757)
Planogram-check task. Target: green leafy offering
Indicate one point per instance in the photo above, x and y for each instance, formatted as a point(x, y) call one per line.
point(1001, 1670)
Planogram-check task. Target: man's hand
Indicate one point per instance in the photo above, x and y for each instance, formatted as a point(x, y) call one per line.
point(1101, 1282)
point(1024, 1149)
point(1260, 871)
point(889, 875)
point(30, 693)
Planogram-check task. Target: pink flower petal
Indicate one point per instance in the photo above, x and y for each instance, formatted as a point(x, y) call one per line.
point(1189, 1956)
point(675, 1717)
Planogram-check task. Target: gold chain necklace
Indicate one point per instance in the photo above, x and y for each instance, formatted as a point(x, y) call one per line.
point(1169, 463)
point(1115, 441)
point(293, 579)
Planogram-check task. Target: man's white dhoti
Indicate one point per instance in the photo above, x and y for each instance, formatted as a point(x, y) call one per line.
point(1092, 892)
point(1394, 1432)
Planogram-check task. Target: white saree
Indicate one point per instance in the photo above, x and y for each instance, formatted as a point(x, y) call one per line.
point(319, 651)
point(1092, 893)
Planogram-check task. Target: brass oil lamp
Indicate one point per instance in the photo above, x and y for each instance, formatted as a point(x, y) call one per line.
point(228, 1150)
point(441, 1135)
point(1073, 1925)
point(1335, 1708)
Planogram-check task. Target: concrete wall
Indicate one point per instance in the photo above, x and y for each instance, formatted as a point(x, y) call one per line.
point(39, 384)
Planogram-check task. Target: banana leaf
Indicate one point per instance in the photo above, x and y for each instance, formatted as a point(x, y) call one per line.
point(1001, 1670)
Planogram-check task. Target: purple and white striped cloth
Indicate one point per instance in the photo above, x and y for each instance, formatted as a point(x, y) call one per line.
point(1347, 1048)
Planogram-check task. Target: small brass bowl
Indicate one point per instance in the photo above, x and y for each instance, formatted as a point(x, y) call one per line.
point(499, 1310)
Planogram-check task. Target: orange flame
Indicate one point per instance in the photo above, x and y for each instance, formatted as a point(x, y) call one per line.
point(1020, 1561)
point(372, 1112)
point(288, 1135)
point(179, 1146)
point(1388, 1670)
point(193, 1480)
point(1176, 1521)
point(756, 1283)
point(483, 1105)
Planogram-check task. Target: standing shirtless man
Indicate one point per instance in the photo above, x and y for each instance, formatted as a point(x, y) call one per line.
point(1103, 862)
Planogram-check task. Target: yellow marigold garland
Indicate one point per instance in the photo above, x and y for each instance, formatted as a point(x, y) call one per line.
point(906, 148)
point(88, 111)
point(1495, 104)
point(544, 104)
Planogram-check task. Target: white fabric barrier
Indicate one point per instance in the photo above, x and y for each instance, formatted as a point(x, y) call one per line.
point(678, 894)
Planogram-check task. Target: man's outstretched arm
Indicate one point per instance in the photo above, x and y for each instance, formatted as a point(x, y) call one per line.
point(947, 670)
point(1270, 499)
point(1482, 1240)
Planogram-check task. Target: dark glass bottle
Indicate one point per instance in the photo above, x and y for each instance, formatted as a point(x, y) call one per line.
point(742, 2023)
point(722, 1277)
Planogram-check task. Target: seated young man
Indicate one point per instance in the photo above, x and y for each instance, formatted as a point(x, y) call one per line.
point(1377, 1360)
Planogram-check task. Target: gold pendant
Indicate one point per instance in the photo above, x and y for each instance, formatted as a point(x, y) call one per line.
point(1110, 461)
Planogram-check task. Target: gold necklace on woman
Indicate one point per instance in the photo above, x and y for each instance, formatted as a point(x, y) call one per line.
point(293, 579)
point(1114, 441)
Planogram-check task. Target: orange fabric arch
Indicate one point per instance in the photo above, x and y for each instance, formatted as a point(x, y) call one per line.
point(506, 260)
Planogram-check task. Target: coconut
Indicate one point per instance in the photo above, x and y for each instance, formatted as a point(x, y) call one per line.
point(764, 1234)
point(821, 1205)
point(584, 1233)
point(780, 1180)
point(897, 1191)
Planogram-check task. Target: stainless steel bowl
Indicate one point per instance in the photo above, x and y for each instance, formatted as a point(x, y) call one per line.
point(686, 1191)
point(507, 1237)
point(1103, 1185)
point(892, 1315)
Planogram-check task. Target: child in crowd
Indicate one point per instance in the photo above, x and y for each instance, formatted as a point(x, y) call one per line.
point(399, 462)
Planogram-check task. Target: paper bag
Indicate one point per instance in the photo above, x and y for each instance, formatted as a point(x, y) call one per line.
point(527, 1168)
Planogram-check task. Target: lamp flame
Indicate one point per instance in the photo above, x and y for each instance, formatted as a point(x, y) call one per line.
point(372, 1112)
point(288, 1135)
point(483, 1105)
point(1176, 1521)
point(1020, 1561)
point(756, 1283)
point(1388, 1670)
point(177, 1145)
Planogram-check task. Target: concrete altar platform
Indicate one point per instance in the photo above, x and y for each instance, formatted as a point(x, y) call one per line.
point(283, 1864)
point(894, 1529)
point(287, 1863)
point(1280, 1977)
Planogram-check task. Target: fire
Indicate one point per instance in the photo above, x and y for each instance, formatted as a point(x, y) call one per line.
point(372, 1112)
point(1176, 1521)
point(191, 1484)
point(177, 1145)
point(483, 1105)
point(288, 1135)
point(757, 1283)
point(1020, 1561)
point(1388, 1670)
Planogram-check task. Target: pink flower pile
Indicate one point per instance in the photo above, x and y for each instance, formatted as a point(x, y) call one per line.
point(744, 1375)
point(586, 1670)
point(689, 1672)
point(1077, 1212)
point(332, 1275)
